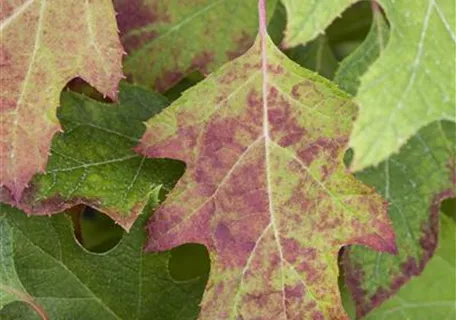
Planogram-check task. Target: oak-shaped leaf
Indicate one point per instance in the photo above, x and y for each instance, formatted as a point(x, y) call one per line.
point(166, 40)
point(412, 83)
point(92, 161)
point(265, 187)
point(43, 45)
point(46, 274)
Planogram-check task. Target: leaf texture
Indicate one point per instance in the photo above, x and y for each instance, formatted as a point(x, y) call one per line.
point(412, 83)
point(92, 161)
point(432, 295)
point(166, 40)
point(45, 268)
point(356, 64)
point(414, 182)
point(43, 45)
point(309, 18)
point(265, 187)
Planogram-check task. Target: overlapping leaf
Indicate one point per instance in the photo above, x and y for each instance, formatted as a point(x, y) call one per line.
point(410, 86)
point(308, 18)
point(166, 40)
point(414, 182)
point(92, 161)
point(43, 45)
point(356, 64)
point(43, 266)
point(265, 187)
point(433, 294)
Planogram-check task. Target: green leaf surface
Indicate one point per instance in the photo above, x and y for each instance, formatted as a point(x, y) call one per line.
point(265, 187)
point(43, 45)
point(412, 84)
point(356, 64)
point(309, 18)
point(92, 161)
point(166, 40)
point(317, 56)
point(414, 182)
point(432, 295)
point(43, 266)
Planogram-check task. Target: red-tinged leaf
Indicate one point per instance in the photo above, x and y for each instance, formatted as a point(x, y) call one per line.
point(265, 188)
point(166, 40)
point(43, 45)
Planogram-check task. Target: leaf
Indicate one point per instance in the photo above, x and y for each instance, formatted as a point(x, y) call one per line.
point(414, 75)
point(265, 189)
point(432, 295)
point(43, 266)
point(414, 182)
point(44, 44)
point(355, 65)
point(92, 161)
point(317, 56)
point(421, 82)
point(308, 18)
point(166, 40)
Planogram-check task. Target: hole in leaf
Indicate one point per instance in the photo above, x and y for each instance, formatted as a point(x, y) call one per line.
point(189, 261)
point(94, 230)
point(189, 81)
point(448, 207)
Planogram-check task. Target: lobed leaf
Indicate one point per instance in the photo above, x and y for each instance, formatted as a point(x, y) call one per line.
point(43, 45)
point(166, 40)
point(412, 83)
point(92, 161)
point(265, 188)
point(43, 266)
point(414, 182)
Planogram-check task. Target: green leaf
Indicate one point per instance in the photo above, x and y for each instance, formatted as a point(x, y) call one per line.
point(354, 66)
point(309, 18)
point(43, 45)
point(166, 40)
point(414, 182)
point(412, 83)
point(317, 56)
point(93, 163)
point(43, 266)
point(432, 295)
point(265, 187)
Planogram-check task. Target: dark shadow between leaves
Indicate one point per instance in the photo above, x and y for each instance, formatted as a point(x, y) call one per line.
point(189, 261)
